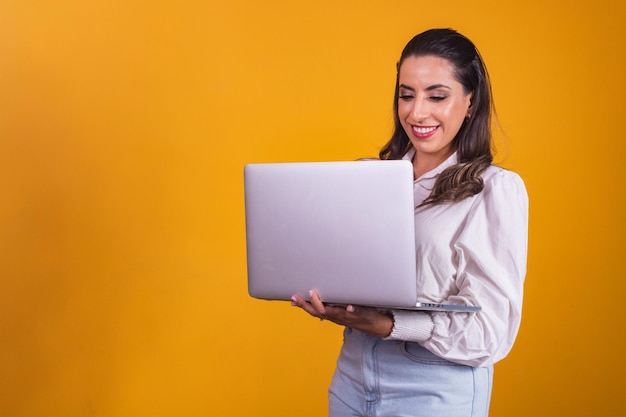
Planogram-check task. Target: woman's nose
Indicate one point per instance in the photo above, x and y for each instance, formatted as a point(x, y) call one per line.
point(419, 110)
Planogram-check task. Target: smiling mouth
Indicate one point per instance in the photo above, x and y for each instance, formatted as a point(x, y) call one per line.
point(424, 132)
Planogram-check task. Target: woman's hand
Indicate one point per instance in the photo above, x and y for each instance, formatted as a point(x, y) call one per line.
point(366, 319)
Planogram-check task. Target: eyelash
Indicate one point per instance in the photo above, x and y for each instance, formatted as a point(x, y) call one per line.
point(434, 98)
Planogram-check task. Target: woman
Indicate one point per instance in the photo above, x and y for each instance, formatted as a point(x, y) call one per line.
point(471, 234)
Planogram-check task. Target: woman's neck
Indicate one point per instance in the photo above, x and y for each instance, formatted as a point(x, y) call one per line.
point(422, 163)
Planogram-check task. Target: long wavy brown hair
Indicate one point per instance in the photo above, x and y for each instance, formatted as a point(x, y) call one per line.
point(473, 142)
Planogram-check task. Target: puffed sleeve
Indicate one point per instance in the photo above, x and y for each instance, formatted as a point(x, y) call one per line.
point(490, 253)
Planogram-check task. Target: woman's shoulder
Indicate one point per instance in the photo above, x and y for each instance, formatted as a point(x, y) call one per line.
point(497, 173)
point(501, 180)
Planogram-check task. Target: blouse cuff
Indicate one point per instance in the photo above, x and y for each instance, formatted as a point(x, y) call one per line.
point(411, 326)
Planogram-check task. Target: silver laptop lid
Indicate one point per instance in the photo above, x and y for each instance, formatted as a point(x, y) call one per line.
point(345, 229)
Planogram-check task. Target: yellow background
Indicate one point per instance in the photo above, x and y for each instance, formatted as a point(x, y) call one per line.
point(124, 129)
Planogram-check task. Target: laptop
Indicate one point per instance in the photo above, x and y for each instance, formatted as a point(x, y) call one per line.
point(345, 229)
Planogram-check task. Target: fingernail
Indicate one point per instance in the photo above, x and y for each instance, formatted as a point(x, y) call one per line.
point(350, 309)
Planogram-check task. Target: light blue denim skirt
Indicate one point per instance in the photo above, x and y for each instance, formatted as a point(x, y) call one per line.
point(387, 378)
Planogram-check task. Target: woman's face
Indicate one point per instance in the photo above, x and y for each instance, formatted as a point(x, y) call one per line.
point(432, 105)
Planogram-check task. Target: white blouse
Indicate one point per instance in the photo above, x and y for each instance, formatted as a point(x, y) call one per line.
point(471, 252)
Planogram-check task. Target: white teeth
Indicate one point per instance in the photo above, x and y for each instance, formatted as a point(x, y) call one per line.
point(424, 130)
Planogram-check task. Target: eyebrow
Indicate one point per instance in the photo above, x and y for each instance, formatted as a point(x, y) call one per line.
point(429, 88)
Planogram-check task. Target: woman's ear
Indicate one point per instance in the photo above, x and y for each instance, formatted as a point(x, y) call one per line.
point(468, 114)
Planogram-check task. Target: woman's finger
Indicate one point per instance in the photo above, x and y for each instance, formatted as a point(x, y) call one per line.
point(298, 301)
